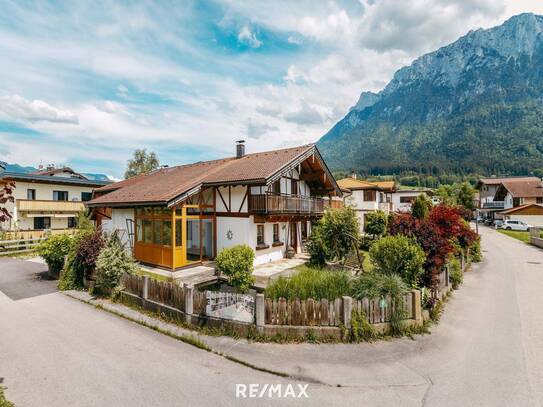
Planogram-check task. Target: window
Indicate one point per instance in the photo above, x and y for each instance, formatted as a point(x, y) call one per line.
point(294, 187)
point(31, 194)
point(369, 195)
point(539, 200)
point(147, 231)
point(276, 187)
point(276, 233)
point(407, 199)
point(260, 235)
point(72, 222)
point(178, 233)
point(86, 196)
point(60, 195)
point(139, 230)
point(41, 223)
point(304, 230)
point(157, 232)
point(167, 233)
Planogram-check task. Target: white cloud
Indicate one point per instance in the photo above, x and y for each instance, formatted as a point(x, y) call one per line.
point(19, 108)
point(247, 37)
point(257, 130)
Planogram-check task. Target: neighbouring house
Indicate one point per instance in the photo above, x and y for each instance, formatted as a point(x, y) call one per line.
point(514, 194)
point(490, 204)
point(532, 214)
point(47, 199)
point(402, 199)
point(367, 196)
point(178, 216)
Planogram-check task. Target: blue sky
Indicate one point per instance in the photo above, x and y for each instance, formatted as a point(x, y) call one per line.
point(86, 83)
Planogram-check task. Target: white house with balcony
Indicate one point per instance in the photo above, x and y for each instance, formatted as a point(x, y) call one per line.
point(367, 196)
point(495, 195)
point(180, 216)
point(47, 199)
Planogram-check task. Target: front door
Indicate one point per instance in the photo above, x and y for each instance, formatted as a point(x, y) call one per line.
point(293, 235)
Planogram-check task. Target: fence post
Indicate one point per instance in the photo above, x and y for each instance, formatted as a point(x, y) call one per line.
point(347, 310)
point(145, 293)
point(417, 306)
point(447, 276)
point(462, 262)
point(260, 311)
point(189, 305)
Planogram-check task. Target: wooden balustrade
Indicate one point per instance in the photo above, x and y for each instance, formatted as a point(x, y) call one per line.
point(283, 203)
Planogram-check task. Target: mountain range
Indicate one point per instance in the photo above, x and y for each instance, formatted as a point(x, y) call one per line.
point(26, 169)
point(474, 106)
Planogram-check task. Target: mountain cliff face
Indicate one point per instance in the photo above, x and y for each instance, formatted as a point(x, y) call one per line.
point(474, 106)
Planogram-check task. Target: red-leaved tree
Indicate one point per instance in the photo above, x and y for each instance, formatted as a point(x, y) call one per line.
point(6, 195)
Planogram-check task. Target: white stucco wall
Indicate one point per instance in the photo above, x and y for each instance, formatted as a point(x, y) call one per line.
point(404, 206)
point(235, 200)
point(118, 222)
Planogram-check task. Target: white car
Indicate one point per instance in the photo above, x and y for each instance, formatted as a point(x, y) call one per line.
point(515, 225)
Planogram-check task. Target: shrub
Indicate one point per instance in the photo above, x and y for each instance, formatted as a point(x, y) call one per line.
point(361, 329)
point(311, 283)
point(53, 251)
point(316, 247)
point(375, 223)
point(475, 253)
point(237, 264)
point(421, 207)
point(340, 229)
point(88, 250)
point(399, 255)
point(376, 285)
point(112, 262)
point(455, 273)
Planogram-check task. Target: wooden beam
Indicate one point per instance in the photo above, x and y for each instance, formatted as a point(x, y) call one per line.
point(244, 198)
point(222, 199)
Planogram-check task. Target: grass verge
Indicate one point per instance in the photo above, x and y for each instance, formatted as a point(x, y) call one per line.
point(515, 234)
point(3, 401)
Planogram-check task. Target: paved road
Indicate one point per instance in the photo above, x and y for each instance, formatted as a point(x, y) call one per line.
point(486, 351)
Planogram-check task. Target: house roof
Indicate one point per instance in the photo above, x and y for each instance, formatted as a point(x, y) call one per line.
point(497, 181)
point(54, 171)
point(526, 189)
point(356, 184)
point(48, 179)
point(166, 185)
point(535, 209)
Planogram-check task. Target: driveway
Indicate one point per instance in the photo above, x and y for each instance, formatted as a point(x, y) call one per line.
point(23, 279)
point(486, 351)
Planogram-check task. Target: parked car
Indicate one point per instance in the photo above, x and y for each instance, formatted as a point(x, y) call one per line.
point(498, 224)
point(516, 225)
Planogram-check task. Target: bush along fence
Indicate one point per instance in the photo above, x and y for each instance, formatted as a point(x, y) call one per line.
point(244, 314)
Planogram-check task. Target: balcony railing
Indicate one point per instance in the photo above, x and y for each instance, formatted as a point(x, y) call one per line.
point(282, 203)
point(26, 205)
point(494, 205)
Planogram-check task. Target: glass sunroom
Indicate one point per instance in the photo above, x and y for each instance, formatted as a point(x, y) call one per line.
point(175, 237)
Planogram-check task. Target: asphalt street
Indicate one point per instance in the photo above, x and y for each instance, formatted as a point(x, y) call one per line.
point(487, 350)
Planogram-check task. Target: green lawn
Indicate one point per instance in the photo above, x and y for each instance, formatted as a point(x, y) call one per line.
point(522, 236)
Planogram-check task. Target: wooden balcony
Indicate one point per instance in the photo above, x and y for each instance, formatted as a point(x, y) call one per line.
point(26, 205)
point(285, 204)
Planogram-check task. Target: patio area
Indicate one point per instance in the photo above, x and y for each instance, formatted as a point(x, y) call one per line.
point(205, 273)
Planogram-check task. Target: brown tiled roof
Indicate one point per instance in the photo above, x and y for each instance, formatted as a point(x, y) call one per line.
point(497, 181)
point(165, 184)
point(526, 189)
point(352, 183)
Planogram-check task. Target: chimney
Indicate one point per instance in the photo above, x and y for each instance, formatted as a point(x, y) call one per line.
point(353, 174)
point(240, 148)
